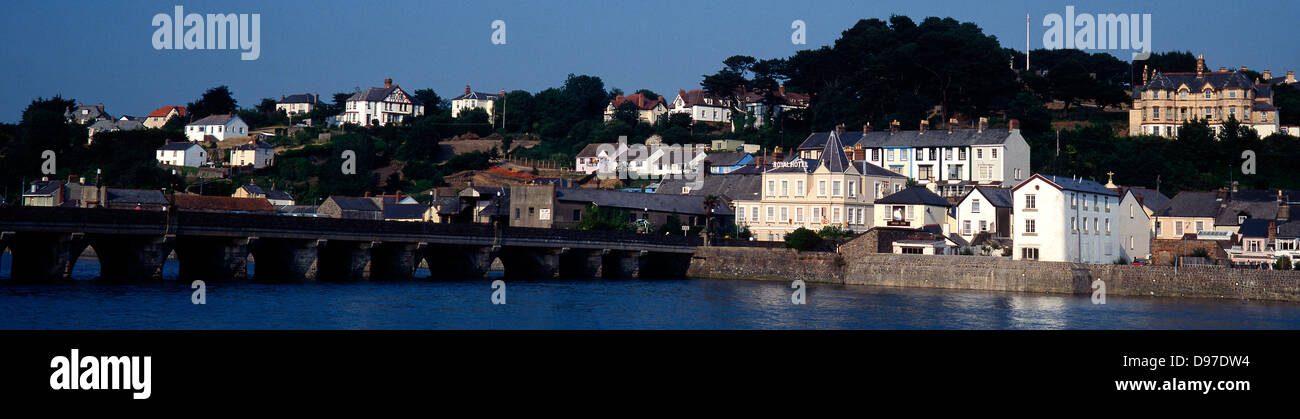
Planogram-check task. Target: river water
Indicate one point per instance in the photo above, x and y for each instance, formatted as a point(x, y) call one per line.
point(593, 304)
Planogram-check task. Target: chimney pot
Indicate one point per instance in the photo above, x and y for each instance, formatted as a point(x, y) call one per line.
point(866, 128)
point(1268, 74)
point(1013, 124)
point(893, 127)
point(1244, 69)
point(983, 124)
point(1223, 69)
point(924, 124)
point(388, 83)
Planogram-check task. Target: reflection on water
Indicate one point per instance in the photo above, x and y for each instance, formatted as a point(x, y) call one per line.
point(595, 304)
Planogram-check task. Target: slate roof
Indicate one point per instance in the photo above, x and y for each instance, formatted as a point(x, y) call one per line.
point(404, 211)
point(221, 119)
point(832, 155)
point(916, 195)
point(271, 194)
point(681, 204)
point(1216, 80)
point(182, 145)
point(1150, 198)
point(731, 186)
point(726, 158)
point(254, 145)
point(1075, 184)
point(378, 94)
point(591, 150)
point(299, 98)
point(352, 203)
point(1192, 204)
point(872, 170)
point(1252, 209)
point(696, 98)
point(1289, 228)
point(134, 196)
point(997, 197)
point(477, 96)
point(1254, 228)
point(929, 138)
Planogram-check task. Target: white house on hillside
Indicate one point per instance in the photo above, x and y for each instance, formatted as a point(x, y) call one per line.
point(256, 153)
point(381, 105)
point(702, 107)
point(474, 100)
point(218, 127)
point(182, 154)
point(297, 104)
point(1063, 219)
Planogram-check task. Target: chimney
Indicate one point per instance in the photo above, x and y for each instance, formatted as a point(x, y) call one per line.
point(1013, 124)
point(1221, 197)
point(1234, 186)
point(1284, 211)
point(100, 106)
point(924, 124)
point(893, 127)
point(983, 125)
point(952, 123)
point(777, 154)
point(1200, 66)
point(866, 128)
point(388, 83)
point(1290, 77)
point(1144, 74)
point(1268, 75)
point(282, 98)
point(1223, 69)
point(367, 194)
point(1272, 232)
point(780, 89)
point(1244, 69)
point(467, 89)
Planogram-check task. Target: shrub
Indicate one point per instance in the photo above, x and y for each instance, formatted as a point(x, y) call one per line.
point(1283, 263)
point(802, 239)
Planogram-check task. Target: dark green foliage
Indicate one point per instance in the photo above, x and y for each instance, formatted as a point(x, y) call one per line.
point(215, 101)
point(604, 219)
point(802, 239)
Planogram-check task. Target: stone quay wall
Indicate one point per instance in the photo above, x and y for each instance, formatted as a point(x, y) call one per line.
point(991, 274)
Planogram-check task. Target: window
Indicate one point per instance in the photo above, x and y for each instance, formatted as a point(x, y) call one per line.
point(947, 154)
point(1029, 253)
point(1209, 95)
point(1155, 113)
point(835, 188)
point(984, 225)
point(961, 154)
point(821, 188)
point(1157, 228)
point(798, 188)
point(975, 205)
point(1130, 210)
point(1074, 224)
point(785, 188)
point(753, 214)
point(1130, 242)
point(852, 191)
point(934, 154)
point(771, 214)
point(1178, 227)
point(979, 153)
point(1029, 226)
point(785, 214)
point(798, 214)
point(1031, 202)
point(771, 188)
point(1074, 201)
point(875, 154)
point(995, 153)
point(1108, 226)
point(1200, 226)
point(920, 154)
point(835, 215)
point(965, 228)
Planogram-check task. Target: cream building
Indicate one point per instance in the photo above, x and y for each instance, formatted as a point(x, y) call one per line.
point(1165, 101)
point(815, 193)
point(475, 100)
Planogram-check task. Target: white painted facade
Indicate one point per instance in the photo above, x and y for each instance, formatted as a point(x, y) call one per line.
point(192, 155)
point(1064, 225)
point(218, 127)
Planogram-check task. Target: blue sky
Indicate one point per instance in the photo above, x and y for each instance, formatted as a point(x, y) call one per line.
point(102, 52)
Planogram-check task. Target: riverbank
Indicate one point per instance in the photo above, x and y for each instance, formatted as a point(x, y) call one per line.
point(991, 274)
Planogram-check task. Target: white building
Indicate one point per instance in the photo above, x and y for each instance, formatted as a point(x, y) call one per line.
point(380, 106)
point(984, 209)
point(1133, 226)
point(702, 107)
point(593, 157)
point(297, 104)
point(181, 154)
point(256, 153)
point(475, 100)
point(1065, 219)
point(948, 161)
point(218, 127)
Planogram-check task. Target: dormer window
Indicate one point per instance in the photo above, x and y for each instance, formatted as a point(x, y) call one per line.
point(1209, 94)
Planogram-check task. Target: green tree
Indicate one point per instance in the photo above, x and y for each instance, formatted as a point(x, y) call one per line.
point(802, 239)
point(214, 101)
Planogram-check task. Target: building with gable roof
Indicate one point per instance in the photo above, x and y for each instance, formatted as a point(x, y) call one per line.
point(160, 116)
point(647, 110)
point(1064, 219)
point(475, 100)
point(216, 128)
point(297, 104)
point(949, 162)
point(830, 190)
point(702, 107)
point(380, 106)
point(1165, 101)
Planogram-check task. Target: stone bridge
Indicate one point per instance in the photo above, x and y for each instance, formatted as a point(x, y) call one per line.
point(134, 245)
